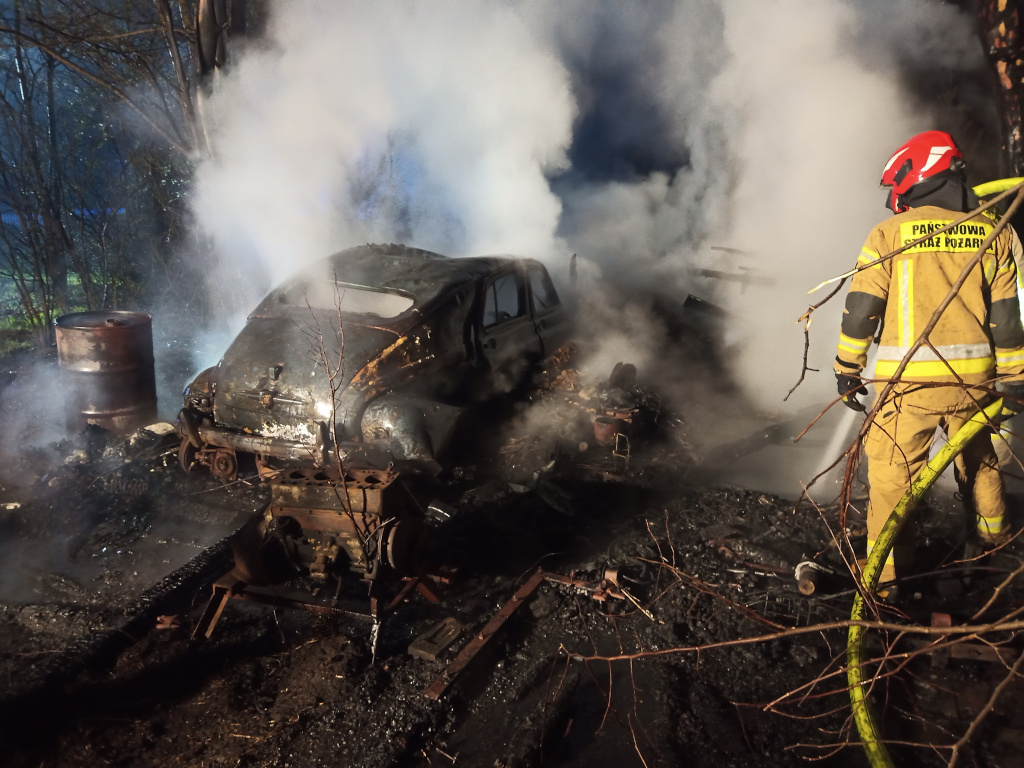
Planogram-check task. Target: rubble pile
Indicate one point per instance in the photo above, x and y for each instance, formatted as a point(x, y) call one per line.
point(640, 650)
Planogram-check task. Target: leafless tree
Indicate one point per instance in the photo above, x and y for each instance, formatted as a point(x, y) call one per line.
point(101, 129)
point(999, 26)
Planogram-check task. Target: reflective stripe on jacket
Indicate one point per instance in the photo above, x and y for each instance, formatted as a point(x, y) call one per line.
point(979, 334)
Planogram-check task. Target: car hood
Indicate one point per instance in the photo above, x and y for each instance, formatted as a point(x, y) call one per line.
point(274, 379)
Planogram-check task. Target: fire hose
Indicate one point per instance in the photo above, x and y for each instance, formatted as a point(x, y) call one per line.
point(878, 755)
point(995, 187)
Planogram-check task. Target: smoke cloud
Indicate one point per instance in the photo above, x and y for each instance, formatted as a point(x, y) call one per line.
point(729, 150)
point(437, 124)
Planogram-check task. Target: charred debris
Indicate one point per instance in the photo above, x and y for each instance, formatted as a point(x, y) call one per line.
point(358, 388)
point(571, 610)
point(534, 579)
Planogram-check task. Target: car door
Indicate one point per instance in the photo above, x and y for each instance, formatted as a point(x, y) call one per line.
point(508, 340)
point(550, 319)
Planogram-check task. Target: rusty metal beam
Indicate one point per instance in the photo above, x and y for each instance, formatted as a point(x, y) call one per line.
point(230, 587)
point(474, 646)
point(223, 590)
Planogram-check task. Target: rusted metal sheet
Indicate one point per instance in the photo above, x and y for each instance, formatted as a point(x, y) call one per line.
point(474, 646)
point(106, 361)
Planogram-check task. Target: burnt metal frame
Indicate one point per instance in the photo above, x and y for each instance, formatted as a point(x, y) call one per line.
point(230, 587)
point(601, 591)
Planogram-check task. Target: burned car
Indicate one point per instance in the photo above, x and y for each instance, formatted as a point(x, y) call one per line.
point(353, 371)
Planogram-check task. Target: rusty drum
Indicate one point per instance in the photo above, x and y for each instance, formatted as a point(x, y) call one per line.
point(106, 361)
point(605, 428)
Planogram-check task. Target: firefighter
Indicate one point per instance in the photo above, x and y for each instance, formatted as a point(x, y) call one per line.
point(976, 347)
point(1002, 435)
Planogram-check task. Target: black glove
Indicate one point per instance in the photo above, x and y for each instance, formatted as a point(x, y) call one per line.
point(1013, 398)
point(851, 386)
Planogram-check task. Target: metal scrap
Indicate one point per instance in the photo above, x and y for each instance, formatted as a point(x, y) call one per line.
point(440, 685)
point(431, 643)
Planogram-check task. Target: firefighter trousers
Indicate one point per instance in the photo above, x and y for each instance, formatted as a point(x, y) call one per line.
point(897, 446)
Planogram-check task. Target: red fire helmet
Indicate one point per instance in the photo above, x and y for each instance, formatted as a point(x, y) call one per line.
point(922, 157)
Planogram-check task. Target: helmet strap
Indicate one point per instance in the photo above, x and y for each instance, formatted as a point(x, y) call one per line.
point(894, 202)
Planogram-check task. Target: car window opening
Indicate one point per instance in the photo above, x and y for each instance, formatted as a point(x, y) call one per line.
point(543, 290)
point(502, 301)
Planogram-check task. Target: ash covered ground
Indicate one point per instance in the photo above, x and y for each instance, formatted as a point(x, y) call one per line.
point(109, 550)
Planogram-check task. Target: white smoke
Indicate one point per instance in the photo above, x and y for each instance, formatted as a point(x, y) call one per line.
point(802, 116)
point(32, 408)
point(763, 125)
point(432, 123)
point(786, 112)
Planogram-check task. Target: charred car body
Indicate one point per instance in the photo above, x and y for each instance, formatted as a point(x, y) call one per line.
point(350, 373)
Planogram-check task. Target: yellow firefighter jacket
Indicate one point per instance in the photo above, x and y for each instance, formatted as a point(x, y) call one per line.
point(977, 337)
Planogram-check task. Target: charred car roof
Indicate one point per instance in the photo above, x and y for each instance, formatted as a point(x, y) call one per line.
point(422, 278)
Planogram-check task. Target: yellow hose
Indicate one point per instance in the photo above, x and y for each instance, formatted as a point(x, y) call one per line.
point(990, 188)
point(878, 755)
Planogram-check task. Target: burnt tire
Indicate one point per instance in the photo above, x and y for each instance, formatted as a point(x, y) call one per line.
point(187, 456)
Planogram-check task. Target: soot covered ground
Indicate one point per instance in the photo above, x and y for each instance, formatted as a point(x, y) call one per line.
point(109, 553)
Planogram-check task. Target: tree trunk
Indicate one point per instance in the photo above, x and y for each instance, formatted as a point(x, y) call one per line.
point(999, 24)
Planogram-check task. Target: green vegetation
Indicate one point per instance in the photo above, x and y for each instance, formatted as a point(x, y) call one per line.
point(100, 131)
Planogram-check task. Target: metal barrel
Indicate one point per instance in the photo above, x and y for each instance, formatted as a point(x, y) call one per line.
point(106, 362)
